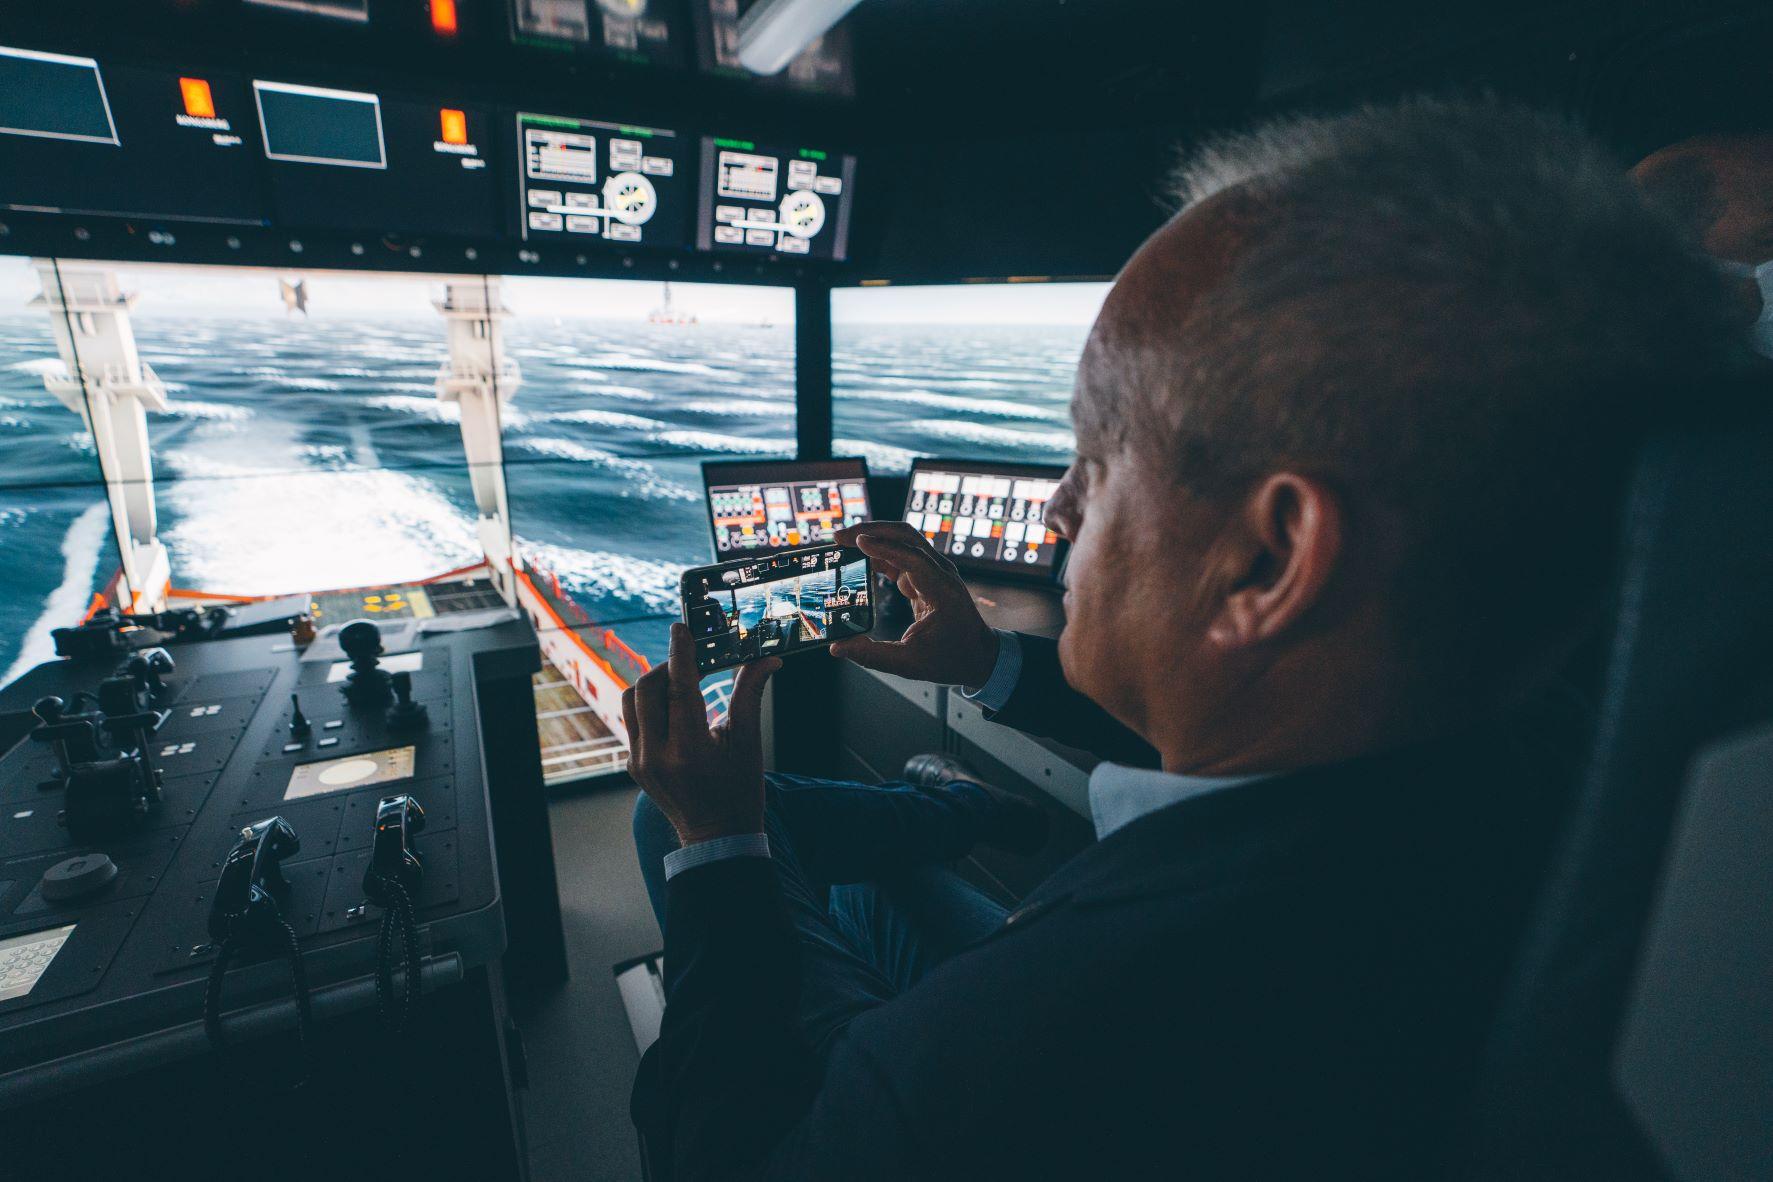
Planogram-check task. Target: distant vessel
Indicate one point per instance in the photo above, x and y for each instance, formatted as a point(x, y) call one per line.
point(668, 313)
point(295, 295)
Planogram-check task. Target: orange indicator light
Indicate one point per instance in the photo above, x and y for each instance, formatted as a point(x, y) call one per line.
point(455, 126)
point(443, 17)
point(198, 102)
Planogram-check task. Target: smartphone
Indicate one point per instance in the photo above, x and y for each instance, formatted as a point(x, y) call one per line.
point(784, 603)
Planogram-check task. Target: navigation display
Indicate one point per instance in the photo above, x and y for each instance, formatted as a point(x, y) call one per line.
point(987, 516)
point(766, 200)
point(78, 138)
point(639, 31)
point(741, 611)
point(761, 508)
point(582, 180)
point(358, 160)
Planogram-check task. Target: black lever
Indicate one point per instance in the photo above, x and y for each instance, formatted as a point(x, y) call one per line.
point(148, 667)
point(405, 714)
point(367, 683)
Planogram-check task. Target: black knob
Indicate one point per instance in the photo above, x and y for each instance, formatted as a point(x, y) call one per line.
point(77, 877)
point(361, 640)
point(402, 683)
point(299, 726)
point(49, 709)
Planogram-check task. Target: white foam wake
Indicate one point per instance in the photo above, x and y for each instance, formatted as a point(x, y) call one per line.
point(605, 575)
point(1062, 442)
point(67, 603)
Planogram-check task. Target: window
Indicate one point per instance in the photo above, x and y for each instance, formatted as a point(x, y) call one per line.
point(981, 371)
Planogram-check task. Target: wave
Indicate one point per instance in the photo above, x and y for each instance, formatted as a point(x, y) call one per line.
point(599, 574)
point(1060, 442)
point(711, 441)
point(614, 419)
point(991, 407)
point(40, 367)
point(67, 603)
point(881, 457)
point(215, 411)
point(436, 410)
point(632, 393)
point(640, 479)
point(319, 529)
point(626, 361)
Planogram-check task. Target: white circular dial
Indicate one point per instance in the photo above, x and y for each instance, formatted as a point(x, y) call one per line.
point(803, 214)
point(630, 197)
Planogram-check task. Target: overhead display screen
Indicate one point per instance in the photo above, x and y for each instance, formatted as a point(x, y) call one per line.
point(581, 180)
point(761, 508)
point(764, 200)
point(362, 161)
point(344, 10)
point(639, 31)
point(987, 517)
point(824, 67)
point(76, 137)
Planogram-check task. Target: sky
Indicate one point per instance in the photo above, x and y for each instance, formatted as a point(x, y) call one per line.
point(213, 291)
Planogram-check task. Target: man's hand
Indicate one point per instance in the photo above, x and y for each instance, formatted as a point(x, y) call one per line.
point(948, 641)
point(707, 782)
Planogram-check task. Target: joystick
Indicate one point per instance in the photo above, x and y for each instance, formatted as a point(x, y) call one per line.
point(299, 726)
point(148, 667)
point(405, 714)
point(367, 683)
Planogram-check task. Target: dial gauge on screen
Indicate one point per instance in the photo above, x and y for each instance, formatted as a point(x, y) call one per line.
point(630, 198)
point(803, 214)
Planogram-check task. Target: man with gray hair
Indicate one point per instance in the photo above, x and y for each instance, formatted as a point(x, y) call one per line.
point(1351, 429)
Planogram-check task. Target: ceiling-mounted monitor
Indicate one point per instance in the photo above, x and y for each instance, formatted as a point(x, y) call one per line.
point(824, 67)
point(362, 161)
point(587, 182)
point(174, 143)
point(760, 199)
point(639, 31)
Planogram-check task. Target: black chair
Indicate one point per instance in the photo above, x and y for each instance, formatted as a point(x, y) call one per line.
point(1689, 663)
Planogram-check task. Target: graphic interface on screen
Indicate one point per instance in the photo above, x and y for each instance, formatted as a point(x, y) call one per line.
point(980, 518)
point(740, 611)
point(635, 30)
point(580, 179)
point(763, 200)
point(79, 138)
point(361, 161)
point(757, 508)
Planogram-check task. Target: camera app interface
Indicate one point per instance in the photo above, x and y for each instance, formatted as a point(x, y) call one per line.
point(743, 611)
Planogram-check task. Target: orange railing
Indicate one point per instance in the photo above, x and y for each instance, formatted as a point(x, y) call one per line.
point(600, 644)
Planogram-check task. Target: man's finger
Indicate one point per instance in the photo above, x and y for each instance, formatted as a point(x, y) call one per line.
point(850, 535)
point(632, 722)
point(689, 713)
point(886, 656)
point(744, 711)
point(652, 712)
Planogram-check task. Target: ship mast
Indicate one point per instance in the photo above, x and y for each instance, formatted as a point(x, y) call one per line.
point(479, 377)
point(111, 388)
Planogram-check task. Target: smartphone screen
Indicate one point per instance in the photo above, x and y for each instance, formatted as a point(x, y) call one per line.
point(762, 607)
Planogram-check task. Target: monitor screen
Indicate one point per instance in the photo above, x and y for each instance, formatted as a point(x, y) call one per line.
point(759, 508)
point(363, 161)
point(987, 517)
point(763, 200)
point(581, 180)
point(173, 144)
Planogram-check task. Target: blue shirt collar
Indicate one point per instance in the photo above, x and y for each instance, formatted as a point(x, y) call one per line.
point(1121, 795)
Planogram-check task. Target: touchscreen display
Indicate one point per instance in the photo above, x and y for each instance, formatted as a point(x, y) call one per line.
point(987, 517)
point(761, 508)
point(741, 611)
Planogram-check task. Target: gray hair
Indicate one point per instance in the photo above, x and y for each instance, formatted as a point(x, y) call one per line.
point(1461, 308)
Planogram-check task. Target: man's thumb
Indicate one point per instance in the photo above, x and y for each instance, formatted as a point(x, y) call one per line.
point(870, 653)
point(747, 701)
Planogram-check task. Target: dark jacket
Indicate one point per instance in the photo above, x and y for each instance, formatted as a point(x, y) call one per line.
point(1282, 979)
point(1044, 704)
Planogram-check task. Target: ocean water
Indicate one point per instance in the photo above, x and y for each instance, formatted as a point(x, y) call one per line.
point(300, 455)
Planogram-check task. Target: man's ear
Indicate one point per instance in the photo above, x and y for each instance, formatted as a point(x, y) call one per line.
point(1283, 545)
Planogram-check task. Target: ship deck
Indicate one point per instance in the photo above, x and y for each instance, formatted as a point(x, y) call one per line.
point(575, 741)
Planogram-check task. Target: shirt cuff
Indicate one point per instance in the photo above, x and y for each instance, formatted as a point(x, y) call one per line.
point(719, 849)
point(1004, 675)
